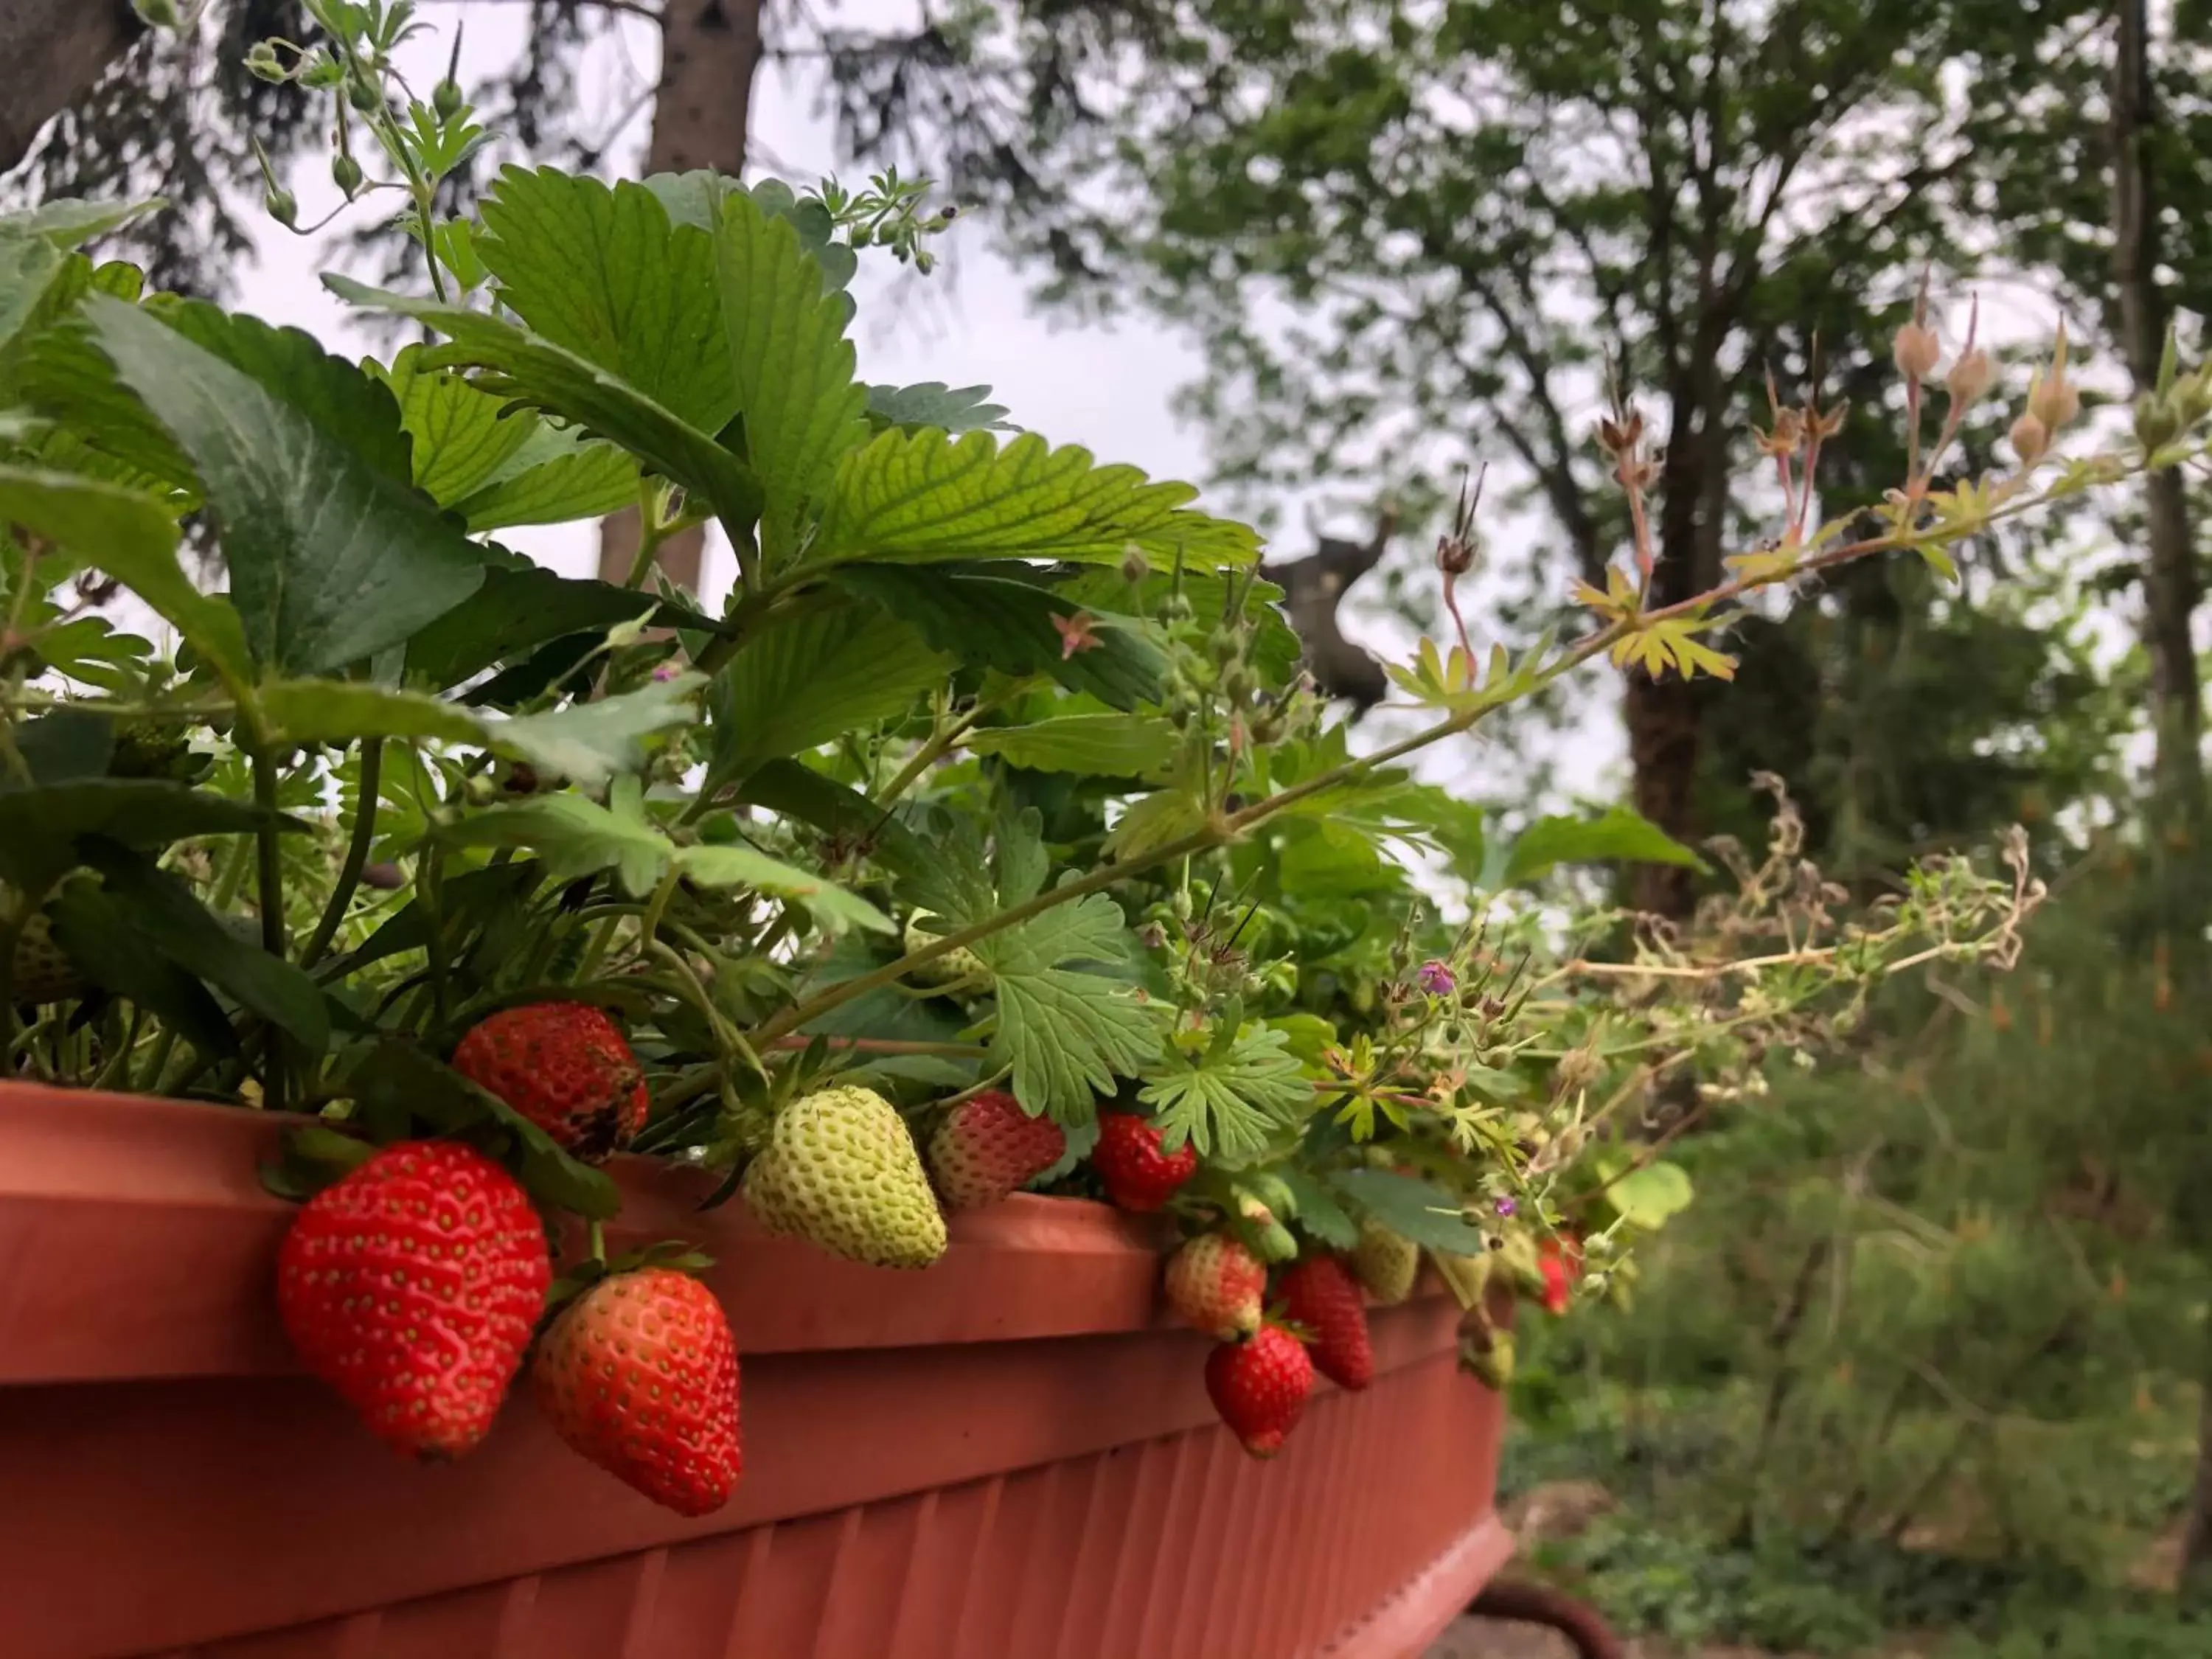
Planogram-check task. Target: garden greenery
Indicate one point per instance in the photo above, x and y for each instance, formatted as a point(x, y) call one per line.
point(997, 769)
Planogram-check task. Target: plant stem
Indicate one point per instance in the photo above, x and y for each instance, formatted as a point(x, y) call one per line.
point(356, 857)
point(930, 752)
point(270, 867)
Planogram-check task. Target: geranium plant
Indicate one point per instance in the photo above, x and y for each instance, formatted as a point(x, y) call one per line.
point(988, 838)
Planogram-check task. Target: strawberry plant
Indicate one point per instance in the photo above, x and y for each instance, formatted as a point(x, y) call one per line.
point(992, 797)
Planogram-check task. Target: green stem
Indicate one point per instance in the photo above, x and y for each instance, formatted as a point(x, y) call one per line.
point(939, 742)
point(149, 1079)
point(657, 907)
point(270, 867)
point(118, 1068)
point(356, 857)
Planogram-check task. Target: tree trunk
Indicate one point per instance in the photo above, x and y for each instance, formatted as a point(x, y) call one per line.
point(53, 52)
point(2170, 596)
point(2170, 592)
point(1664, 716)
point(710, 53)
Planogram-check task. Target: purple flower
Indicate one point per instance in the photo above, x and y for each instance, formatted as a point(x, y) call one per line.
point(1437, 978)
point(1505, 1206)
point(663, 672)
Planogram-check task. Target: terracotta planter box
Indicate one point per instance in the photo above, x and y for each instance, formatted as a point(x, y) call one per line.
point(1009, 1455)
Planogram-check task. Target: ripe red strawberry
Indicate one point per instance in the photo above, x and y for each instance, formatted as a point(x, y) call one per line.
point(1560, 1261)
point(1320, 1294)
point(1137, 1174)
point(640, 1375)
point(1259, 1387)
point(566, 1067)
point(410, 1286)
point(988, 1147)
point(1215, 1283)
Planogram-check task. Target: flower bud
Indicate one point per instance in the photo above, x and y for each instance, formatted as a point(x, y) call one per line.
point(446, 100)
point(345, 173)
point(2158, 423)
point(1916, 351)
point(2054, 401)
point(1135, 567)
point(262, 63)
point(1969, 377)
point(363, 96)
point(2030, 439)
point(156, 14)
point(280, 206)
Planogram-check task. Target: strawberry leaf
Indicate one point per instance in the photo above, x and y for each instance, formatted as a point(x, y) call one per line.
point(1229, 1104)
point(925, 497)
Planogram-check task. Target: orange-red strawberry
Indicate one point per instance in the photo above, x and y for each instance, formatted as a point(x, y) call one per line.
point(1137, 1174)
point(1560, 1261)
point(1321, 1295)
point(1259, 1387)
point(411, 1286)
point(640, 1375)
point(566, 1067)
point(988, 1147)
point(1216, 1284)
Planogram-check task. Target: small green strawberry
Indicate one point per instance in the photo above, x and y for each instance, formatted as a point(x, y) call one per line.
point(640, 1375)
point(923, 928)
point(44, 972)
point(1386, 1264)
point(840, 1169)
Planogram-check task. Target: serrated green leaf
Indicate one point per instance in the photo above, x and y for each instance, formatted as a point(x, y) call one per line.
point(1164, 815)
point(1229, 1104)
point(166, 916)
point(742, 866)
point(29, 267)
point(330, 561)
point(601, 270)
point(574, 836)
point(66, 744)
point(923, 498)
point(1111, 746)
point(1651, 1196)
point(991, 616)
point(514, 611)
point(554, 478)
point(815, 676)
point(99, 934)
point(589, 742)
point(1617, 834)
point(1067, 1034)
point(69, 222)
point(933, 404)
point(537, 371)
point(794, 366)
point(1317, 1210)
point(133, 539)
point(1413, 1209)
point(459, 436)
point(340, 711)
point(349, 405)
point(39, 826)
